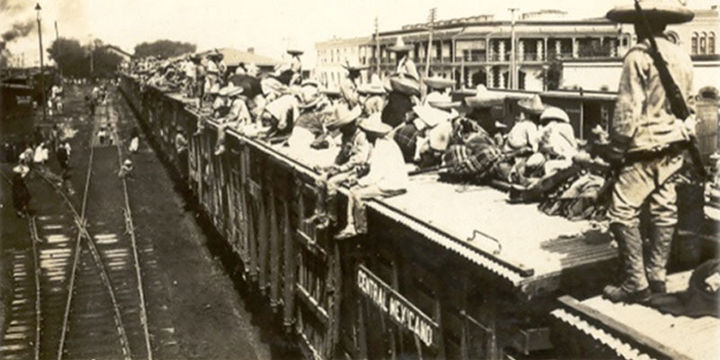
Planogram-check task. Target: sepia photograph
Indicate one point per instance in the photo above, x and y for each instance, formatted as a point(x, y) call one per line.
point(321, 180)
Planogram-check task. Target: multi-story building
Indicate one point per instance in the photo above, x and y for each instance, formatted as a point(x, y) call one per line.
point(333, 54)
point(478, 50)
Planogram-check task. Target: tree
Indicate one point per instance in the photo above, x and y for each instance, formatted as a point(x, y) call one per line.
point(76, 60)
point(163, 48)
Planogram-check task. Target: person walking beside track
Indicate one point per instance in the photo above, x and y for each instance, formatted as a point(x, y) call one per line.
point(646, 146)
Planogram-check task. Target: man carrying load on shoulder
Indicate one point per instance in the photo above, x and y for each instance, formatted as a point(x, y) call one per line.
point(646, 146)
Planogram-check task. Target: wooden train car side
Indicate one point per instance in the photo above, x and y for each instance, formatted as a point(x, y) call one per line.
point(412, 287)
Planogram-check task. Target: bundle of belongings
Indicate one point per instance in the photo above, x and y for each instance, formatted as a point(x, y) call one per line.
point(537, 160)
point(701, 298)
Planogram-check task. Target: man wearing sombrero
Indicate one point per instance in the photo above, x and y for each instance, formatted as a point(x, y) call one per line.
point(404, 86)
point(349, 85)
point(237, 115)
point(386, 176)
point(646, 142)
point(349, 162)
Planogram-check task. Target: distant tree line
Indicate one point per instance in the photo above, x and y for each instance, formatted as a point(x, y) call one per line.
point(163, 48)
point(77, 60)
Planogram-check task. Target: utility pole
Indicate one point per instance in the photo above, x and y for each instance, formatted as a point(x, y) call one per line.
point(42, 67)
point(513, 65)
point(377, 48)
point(92, 56)
point(431, 20)
point(57, 34)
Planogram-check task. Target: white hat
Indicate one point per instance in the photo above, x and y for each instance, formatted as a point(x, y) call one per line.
point(554, 113)
point(127, 162)
point(431, 116)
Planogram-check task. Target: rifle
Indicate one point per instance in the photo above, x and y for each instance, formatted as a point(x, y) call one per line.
point(673, 93)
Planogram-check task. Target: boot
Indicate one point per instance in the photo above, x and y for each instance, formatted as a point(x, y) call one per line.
point(619, 294)
point(658, 287)
point(632, 273)
point(658, 253)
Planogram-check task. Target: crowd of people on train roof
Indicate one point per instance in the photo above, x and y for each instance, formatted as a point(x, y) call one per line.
point(384, 132)
point(415, 115)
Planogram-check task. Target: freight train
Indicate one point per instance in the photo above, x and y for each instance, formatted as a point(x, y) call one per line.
point(428, 280)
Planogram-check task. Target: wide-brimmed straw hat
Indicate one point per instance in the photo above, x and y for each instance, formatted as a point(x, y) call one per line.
point(230, 90)
point(371, 89)
point(353, 66)
point(21, 169)
point(554, 113)
point(531, 105)
point(309, 96)
point(400, 46)
point(343, 116)
point(405, 85)
point(431, 116)
point(484, 98)
point(373, 124)
point(437, 82)
point(295, 52)
point(655, 11)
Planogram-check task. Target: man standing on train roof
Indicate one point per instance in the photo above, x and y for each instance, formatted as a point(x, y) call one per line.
point(350, 84)
point(438, 89)
point(403, 84)
point(646, 142)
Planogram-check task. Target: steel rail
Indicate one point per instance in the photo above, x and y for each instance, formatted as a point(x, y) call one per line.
point(81, 223)
point(131, 231)
point(37, 270)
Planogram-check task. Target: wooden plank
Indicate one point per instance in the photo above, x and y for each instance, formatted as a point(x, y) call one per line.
point(609, 323)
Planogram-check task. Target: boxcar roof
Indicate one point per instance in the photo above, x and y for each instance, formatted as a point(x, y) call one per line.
point(632, 329)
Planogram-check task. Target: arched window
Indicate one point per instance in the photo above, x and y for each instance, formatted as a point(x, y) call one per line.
point(711, 43)
point(694, 44)
point(703, 43)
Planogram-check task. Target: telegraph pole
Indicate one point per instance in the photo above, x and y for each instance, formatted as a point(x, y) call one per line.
point(431, 20)
point(57, 34)
point(42, 67)
point(513, 65)
point(377, 48)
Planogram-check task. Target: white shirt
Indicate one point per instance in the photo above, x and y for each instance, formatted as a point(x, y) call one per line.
point(387, 167)
point(41, 154)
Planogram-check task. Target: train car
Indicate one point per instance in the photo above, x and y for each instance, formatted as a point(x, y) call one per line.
point(423, 282)
point(16, 116)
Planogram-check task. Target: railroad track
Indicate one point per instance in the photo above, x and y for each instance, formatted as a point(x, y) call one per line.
point(81, 298)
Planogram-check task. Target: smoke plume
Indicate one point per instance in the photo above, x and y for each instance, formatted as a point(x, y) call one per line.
point(18, 30)
point(10, 6)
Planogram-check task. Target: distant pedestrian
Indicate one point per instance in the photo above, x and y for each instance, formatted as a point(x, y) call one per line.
point(20, 192)
point(126, 169)
point(134, 141)
point(63, 156)
point(102, 135)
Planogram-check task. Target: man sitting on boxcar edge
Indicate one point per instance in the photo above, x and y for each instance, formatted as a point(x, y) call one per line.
point(277, 118)
point(309, 130)
point(525, 134)
point(647, 142)
point(237, 116)
point(387, 176)
point(350, 163)
point(438, 89)
point(252, 89)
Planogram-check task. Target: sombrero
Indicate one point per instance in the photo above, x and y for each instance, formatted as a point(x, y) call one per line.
point(373, 124)
point(554, 113)
point(405, 85)
point(309, 96)
point(400, 46)
point(656, 12)
point(353, 66)
point(343, 116)
point(230, 90)
point(437, 82)
point(484, 98)
point(310, 82)
point(294, 52)
point(431, 116)
point(531, 105)
point(371, 89)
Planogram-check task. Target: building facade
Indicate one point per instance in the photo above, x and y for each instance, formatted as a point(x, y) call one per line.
point(333, 54)
point(478, 50)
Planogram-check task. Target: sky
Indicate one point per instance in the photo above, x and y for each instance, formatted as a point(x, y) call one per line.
point(270, 26)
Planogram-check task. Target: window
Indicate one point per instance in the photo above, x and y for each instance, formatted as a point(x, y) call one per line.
point(694, 44)
point(711, 43)
point(703, 43)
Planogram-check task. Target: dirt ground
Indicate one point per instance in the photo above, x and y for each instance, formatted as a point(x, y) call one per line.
point(211, 313)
